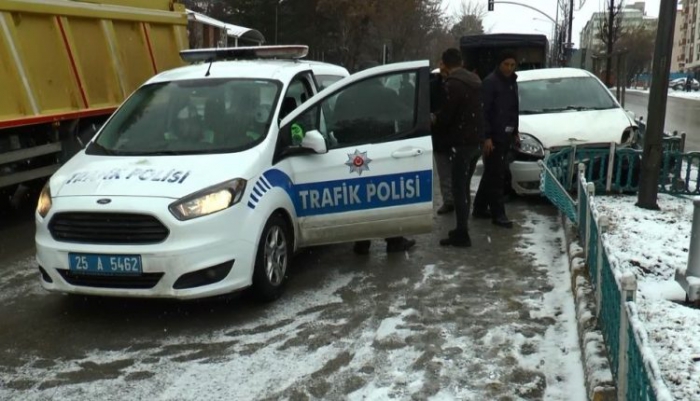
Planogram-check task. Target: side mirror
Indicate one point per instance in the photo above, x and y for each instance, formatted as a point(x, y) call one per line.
point(315, 141)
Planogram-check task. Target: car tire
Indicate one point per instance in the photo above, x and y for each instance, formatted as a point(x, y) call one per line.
point(677, 87)
point(272, 259)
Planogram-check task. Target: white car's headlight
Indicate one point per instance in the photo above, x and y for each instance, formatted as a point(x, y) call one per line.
point(209, 200)
point(530, 145)
point(629, 136)
point(44, 204)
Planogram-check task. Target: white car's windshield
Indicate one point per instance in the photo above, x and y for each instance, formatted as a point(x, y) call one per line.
point(564, 94)
point(190, 117)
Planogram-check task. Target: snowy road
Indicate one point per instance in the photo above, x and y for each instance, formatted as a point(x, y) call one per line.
point(494, 322)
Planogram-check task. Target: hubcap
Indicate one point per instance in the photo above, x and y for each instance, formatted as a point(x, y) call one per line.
point(275, 255)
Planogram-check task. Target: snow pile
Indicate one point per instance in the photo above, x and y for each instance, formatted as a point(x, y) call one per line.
point(652, 245)
point(671, 93)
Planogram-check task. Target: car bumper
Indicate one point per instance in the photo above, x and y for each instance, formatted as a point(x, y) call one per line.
point(199, 258)
point(526, 177)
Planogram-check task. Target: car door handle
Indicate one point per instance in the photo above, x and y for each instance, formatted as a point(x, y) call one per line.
point(412, 152)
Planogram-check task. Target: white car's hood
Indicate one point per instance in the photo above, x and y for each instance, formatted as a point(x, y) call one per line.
point(576, 127)
point(148, 176)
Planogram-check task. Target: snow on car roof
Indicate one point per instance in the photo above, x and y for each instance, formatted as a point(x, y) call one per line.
point(549, 73)
point(282, 70)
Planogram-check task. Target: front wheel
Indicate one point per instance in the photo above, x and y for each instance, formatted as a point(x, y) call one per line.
point(272, 259)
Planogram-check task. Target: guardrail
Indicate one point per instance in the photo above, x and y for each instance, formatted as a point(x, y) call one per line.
point(634, 366)
point(679, 173)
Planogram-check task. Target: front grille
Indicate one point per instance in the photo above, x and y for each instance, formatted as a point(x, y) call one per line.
point(107, 228)
point(142, 281)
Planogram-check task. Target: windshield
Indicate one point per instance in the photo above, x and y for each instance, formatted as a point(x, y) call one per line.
point(190, 117)
point(564, 94)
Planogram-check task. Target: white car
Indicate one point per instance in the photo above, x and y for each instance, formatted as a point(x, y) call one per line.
point(209, 177)
point(562, 107)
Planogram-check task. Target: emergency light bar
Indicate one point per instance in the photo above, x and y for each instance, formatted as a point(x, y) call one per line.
point(293, 52)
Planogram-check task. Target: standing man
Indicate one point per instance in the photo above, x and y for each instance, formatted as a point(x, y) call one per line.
point(441, 152)
point(460, 124)
point(501, 120)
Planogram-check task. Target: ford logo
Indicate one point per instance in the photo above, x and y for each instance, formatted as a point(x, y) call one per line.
point(104, 201)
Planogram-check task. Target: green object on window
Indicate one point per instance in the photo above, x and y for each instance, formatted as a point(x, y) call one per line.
point(297, 134)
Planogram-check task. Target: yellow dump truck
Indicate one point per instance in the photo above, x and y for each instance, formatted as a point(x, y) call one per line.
point(65, 66)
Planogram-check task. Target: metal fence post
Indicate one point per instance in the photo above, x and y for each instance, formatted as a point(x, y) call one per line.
point(611, 165)
point(691, 287)
point(590, 191)
point(602, 227)
point(683, 135)
point(628, 291)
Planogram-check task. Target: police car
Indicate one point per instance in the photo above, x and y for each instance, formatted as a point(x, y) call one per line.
point(209, 177)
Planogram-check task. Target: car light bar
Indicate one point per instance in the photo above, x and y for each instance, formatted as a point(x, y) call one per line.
point(293, 52)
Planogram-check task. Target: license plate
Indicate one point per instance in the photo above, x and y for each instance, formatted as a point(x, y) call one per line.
point(115, 265)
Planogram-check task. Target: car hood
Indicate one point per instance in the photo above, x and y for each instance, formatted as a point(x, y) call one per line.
point(149, 176)
point(576, 127)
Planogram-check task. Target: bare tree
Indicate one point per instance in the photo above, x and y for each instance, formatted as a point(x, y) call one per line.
point(469, 20)
point(610, 25)
point(637, 43)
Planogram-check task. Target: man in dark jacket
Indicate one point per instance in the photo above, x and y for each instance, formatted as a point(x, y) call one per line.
point(501, 120)
point(460, 124)
point(441, 152)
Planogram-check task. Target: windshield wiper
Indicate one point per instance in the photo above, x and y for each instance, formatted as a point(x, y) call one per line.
point(160, 153)
point(94, 146)
point(575, 108)
point(531, 111)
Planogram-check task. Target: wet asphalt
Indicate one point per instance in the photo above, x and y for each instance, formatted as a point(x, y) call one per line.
point(470, 293)
point(682, 115)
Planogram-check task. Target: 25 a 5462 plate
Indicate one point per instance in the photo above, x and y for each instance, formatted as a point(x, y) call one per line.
point(105, 264)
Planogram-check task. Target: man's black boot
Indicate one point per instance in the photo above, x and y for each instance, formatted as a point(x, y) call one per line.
point(399, 244)
point(457, 238)
point(502, 221)
point(361, 247)
point(446, 208)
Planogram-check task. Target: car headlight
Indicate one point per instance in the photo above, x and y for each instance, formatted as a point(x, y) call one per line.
point(44, 204)
point(530, 145)
point(209, 200)
point(629, 136)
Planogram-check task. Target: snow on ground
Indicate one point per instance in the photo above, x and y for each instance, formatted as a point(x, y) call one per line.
point(652, 244)
point(560, 354)
point(672, 93)
point(431, 341)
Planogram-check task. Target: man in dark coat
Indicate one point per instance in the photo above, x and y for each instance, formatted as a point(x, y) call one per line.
point(501, 121)
point(441, 152)
point(460, 124)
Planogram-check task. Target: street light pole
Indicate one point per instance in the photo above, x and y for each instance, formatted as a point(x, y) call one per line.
point(570, 44)
point(277, 10)
point(653, 144)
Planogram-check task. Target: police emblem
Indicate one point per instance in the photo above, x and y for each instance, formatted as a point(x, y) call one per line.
point(358, 162)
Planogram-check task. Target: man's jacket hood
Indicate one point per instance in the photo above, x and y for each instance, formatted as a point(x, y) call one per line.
point(465, 76)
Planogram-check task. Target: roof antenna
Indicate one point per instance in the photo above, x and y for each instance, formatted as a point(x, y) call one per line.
point(211, 61)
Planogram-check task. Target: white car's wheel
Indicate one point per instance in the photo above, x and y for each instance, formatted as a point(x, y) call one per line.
point(272, 259)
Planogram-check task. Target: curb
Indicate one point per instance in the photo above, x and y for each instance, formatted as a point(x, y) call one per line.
point(600, 385)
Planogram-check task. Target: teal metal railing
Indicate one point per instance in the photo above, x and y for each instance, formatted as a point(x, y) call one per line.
point(636, 372)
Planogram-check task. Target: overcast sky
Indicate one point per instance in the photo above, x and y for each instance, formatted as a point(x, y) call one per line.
point(509, 18)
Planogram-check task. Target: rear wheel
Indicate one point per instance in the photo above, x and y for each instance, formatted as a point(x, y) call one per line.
point(272, 259)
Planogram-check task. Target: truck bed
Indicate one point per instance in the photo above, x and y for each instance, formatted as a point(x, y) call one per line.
point(62, 59)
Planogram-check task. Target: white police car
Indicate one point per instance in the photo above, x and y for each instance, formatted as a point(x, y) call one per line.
point(209, 177)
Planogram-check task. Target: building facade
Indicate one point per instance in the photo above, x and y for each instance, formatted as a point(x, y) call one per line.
point(687, 38)
point(633, 16)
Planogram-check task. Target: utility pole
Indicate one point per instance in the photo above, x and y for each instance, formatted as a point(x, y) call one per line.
point(653, 148)
point(570, 44)
point(611, 35)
